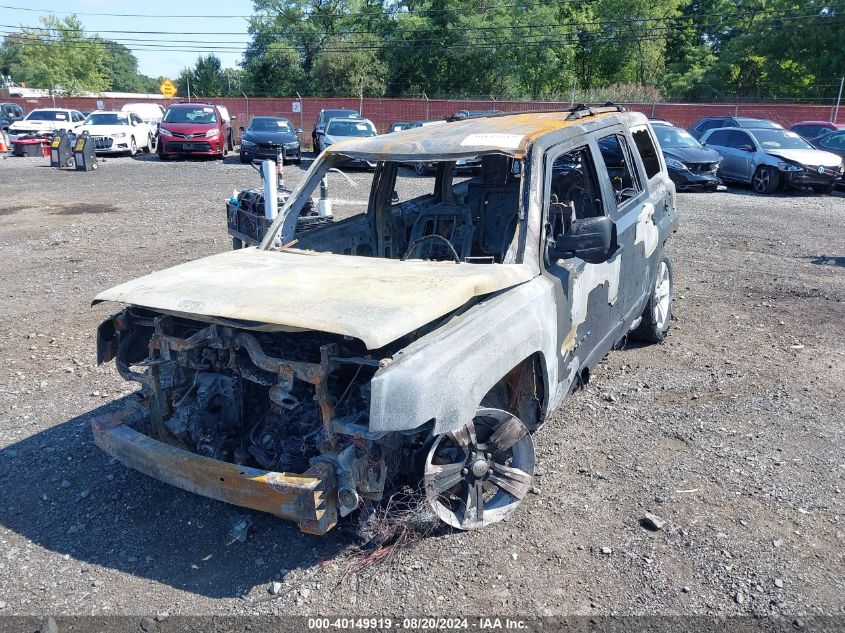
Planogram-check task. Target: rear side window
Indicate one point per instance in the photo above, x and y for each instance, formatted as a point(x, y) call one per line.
point(645, 146)
point(737, 139)
point(617, 161)
point(720, 138)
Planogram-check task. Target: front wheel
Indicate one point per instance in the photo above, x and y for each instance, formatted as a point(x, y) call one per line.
point(479, 474)
point(657, 315)
point(420, 169)
point(765, 180)
point(133, 146)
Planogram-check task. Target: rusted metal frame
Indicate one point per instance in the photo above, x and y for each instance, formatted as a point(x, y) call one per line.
point(308, 499)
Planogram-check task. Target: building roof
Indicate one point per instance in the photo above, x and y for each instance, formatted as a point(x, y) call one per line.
point(506, 134)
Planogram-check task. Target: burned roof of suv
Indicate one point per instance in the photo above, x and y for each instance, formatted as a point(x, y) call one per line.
point(507, 134)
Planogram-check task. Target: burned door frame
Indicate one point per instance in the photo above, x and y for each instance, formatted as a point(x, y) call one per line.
point(581, 331)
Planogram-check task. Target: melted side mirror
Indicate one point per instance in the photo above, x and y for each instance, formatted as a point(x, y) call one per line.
point(591, 239)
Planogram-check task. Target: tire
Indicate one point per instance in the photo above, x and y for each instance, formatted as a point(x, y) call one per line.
point(657, 315)
point(133, 146)
point(164, 157)
point(244, 159)
point(824, 189)
point(765, 180)
point(149, 147)
point(237, 244)
point(419, 169)
point(297, 161)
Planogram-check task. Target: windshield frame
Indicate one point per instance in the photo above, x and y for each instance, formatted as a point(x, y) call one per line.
point(184, 120)
point(356, 122)
point(289, 126)
point(67, 115)
point(757, 133)
point(677, 132)
point(124, 120)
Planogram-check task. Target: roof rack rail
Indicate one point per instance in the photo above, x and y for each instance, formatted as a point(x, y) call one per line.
point(580, 110)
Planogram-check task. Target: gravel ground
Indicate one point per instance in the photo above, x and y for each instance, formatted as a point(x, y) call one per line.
point(731, 431)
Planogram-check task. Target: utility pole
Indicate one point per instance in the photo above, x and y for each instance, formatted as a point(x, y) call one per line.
point(188, 78)
point(838, 101)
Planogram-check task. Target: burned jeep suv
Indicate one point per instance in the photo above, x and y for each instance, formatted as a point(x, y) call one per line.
point(423, 339)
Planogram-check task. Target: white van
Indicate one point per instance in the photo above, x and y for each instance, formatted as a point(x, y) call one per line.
point(151, 113)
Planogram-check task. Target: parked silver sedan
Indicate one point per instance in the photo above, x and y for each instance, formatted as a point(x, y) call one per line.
point(770, 158)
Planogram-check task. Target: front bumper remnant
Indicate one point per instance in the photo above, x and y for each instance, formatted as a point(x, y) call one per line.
point(307, 499)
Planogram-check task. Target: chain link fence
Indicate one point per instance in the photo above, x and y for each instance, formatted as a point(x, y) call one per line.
point(383, 112)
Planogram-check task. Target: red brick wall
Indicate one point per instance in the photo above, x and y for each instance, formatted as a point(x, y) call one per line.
point(384, 111)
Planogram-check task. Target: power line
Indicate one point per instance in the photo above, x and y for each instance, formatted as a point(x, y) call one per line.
point(571, 36)
point(601, 23)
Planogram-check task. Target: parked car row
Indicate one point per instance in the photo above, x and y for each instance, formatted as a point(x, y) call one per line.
point(753, 151)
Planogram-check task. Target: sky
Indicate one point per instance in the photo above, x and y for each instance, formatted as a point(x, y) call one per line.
point(150, 61)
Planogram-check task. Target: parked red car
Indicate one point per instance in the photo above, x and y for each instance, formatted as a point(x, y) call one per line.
point(813, 129)
point(189, 129)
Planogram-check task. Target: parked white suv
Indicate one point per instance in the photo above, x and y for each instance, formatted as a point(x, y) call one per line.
point(46, 121)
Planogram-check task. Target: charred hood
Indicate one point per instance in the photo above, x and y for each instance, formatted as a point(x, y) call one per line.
point(372, 299)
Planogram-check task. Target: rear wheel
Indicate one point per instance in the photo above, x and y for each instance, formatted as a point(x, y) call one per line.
point(765, 180)
point(657, 315)
point(149, 146)
point(479, 474)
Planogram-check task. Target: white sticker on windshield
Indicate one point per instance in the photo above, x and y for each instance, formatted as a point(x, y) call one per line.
point(208, 109)
point(503, 141)
point(61, 116)
point(361, 126)
point(790, 134)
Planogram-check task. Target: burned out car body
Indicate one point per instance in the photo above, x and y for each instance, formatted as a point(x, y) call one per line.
point(423, 338)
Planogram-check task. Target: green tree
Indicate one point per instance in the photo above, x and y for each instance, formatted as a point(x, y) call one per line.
point(349, 68)
point(58, 55)
point(121, 69)
point(205, 78)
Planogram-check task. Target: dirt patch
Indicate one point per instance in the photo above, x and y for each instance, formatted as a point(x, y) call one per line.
point(14, 209)
point(85, 209)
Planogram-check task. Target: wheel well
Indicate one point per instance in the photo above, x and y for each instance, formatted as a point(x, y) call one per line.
point(522, 391)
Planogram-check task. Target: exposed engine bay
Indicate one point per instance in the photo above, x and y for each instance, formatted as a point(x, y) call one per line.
point(276, 401)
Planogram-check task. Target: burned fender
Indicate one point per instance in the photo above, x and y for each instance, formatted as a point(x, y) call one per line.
point(444, 375)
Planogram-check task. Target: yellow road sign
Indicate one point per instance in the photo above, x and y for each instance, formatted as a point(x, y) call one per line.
point(168, 89)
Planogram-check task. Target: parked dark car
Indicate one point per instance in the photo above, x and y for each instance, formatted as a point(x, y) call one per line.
point(833, 142)
point(813, 129)
point(397, 126)
point(266, 135)
point(194, 129)
point(770, 159)
point(471, 114)
point(690, 165)
point(711, 123)
point(9, 113)
point(320, 127)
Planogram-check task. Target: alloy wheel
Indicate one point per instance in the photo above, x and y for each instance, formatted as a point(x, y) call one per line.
point(662, 296)
point(479, 474)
